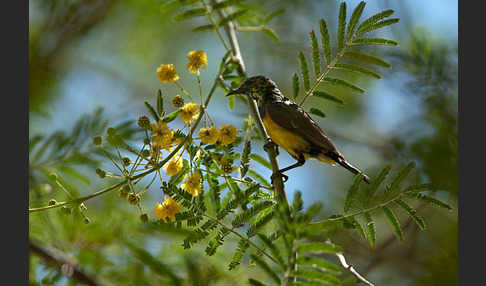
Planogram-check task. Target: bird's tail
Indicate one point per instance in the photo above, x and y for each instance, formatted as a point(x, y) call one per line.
point(341, 161)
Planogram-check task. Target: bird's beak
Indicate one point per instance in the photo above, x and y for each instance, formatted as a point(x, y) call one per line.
point(236, 91)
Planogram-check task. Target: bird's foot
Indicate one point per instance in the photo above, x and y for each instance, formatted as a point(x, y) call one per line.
point(270, 145)
point(279, 174)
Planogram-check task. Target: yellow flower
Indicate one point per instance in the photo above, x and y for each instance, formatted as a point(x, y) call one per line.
point(227, 134)
point(174, 166)
point(193, 185)
point(167, 73)
point(197, 59)
point(162, 136)
point(169, 208)
point(208, 135)
point(189, 112)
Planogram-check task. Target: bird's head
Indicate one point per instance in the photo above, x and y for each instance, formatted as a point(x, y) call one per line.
point(256, 87)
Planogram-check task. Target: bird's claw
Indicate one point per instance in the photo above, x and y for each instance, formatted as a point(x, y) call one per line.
point(270, 145)
point(278, 174)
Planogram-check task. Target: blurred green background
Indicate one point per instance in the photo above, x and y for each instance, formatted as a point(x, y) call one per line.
point(84, 55)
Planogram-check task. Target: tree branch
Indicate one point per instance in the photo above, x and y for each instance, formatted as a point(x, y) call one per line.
point(351, 269)
point(65, 266)
point(230, 29)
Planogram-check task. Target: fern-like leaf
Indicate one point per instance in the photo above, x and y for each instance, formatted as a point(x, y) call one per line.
point(358, 69)
point(204, 28)
point(239, 253)
point(314, 275)
point(319, 247)
point(305, 71)
point(273, 249)
point(341, 26)
point(295, 85)
point(373, 41)
point(254, 282)
point(264, 162)
point(319, 263)
point(375, 18)
point(317, 112)
point(412, 212)
point(233, 16)
point(325, 40)
point(152, 111)
point(370, 229)
point(325, 95)
point(376, 26)
point(375, 183)
point(245, 159)
point(160, 103)
point(259, 222)
point(353, 21)
point(429, 199)
point(197, 12)
point(265, 267)
point(316, 58)
point(246, 215)
point(399, 178)
point(394, 222)
point(341, 82)
point(352, 192)
point(357, 226)
point(366, 58)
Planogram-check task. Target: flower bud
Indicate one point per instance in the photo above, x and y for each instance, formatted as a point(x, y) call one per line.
point(123, 191)
point(97, 140)
point(133, 198)
point(126, 161)
point(144, 218)
point(100, 173)
point(178, 101)
point(143, 122)
point(52, 202)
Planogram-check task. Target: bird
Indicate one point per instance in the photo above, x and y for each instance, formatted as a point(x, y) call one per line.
point(290, 127)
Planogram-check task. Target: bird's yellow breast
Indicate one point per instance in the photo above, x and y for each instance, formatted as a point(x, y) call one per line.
point(291, 142)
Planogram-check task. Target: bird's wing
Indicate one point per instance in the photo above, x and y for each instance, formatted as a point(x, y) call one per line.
point(293, 118)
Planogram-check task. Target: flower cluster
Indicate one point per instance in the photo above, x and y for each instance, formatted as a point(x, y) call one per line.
point(168, 209)
point(183, 167)
point(224, 136)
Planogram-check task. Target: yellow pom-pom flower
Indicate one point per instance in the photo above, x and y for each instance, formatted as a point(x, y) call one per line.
point(174, 166)
point(208, 135)
point(197, 59)
point(167, 73)
point(168, 209)
point(189, 112)
point(162, 136)
point(193, 185)
point(227, 134)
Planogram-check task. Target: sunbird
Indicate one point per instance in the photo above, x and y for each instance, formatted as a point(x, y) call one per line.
point(290, 127)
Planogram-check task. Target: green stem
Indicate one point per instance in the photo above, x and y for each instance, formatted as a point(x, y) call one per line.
point(244, 238)
point(328, 68)
point(158, 166)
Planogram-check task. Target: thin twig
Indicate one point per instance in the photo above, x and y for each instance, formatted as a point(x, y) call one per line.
point(67, 268)
point(351, 269)
point(272, 152)
point(244, 238)
point(155, 168)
